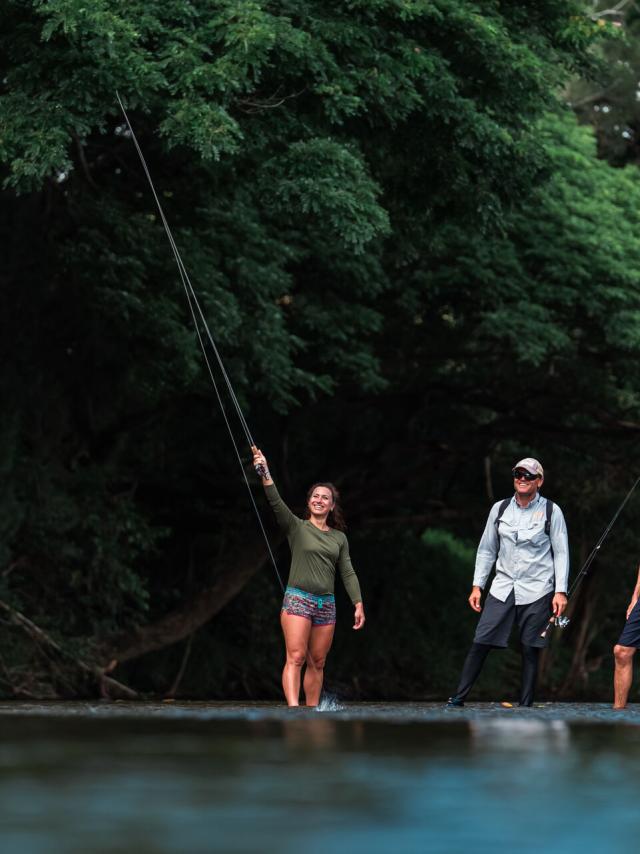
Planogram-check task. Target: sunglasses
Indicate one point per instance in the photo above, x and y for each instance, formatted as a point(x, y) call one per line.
point(521, 474)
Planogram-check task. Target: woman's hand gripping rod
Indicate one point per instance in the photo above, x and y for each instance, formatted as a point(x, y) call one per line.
point(260, 464)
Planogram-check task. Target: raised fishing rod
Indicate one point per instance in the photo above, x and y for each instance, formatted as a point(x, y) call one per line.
point(562, 622)
point(199, 320)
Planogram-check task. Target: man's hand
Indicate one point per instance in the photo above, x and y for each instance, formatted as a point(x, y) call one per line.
point(474, 598)
point(559, 603)
point(632, 605)
point(358, 621)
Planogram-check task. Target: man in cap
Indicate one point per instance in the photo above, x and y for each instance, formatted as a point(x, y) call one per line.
point(526, 537)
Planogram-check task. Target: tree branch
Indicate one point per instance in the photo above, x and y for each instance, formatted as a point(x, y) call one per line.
point(182, 622)
point(614, 11)
point(43, 639)
point(183, 666)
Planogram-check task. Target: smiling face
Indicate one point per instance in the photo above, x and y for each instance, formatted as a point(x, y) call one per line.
point(526, 484)
point(320, 502)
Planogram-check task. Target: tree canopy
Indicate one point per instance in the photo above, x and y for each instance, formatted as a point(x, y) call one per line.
point(410, 256)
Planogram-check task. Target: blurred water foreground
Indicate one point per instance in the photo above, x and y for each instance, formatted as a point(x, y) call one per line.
point(201, 777)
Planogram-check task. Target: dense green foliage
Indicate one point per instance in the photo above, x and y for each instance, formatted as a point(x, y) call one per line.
point(411, 258)
point(610, 102)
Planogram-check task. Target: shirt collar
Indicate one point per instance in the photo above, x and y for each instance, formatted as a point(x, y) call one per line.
point(530, 505)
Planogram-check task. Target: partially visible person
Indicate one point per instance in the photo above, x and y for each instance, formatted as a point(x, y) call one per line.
point(526, 538)
point(308, 616)
point(625, 649)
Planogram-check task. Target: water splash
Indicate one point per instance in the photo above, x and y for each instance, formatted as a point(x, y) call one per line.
point(329, 703)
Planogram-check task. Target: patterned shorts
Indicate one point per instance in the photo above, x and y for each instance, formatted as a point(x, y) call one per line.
point(321, 610)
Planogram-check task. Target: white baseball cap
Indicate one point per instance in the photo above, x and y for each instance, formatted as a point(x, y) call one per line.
point(530, 465)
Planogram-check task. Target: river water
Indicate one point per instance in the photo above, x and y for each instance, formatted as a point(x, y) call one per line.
point(199, 777)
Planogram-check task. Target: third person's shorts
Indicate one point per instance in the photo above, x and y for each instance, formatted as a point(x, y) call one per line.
point(497, 619)
point(631, 633)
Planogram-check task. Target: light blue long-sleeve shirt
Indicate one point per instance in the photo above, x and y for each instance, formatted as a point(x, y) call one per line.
point(530, 562)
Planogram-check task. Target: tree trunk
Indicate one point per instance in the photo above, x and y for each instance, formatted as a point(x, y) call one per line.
point(179, 624)
point(579, 671)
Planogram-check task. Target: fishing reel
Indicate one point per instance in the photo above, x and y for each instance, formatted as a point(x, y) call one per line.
point(260, 470)
point(561, 623)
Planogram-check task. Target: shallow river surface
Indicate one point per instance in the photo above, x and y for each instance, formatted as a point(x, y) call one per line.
point(231, 777)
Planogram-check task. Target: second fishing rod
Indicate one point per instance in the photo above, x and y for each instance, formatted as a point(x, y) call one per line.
point(561, 621)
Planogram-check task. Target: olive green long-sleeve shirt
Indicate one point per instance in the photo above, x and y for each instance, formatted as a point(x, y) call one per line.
point(315, 554)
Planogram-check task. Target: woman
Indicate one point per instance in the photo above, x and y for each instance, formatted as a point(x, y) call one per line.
point(308, 617)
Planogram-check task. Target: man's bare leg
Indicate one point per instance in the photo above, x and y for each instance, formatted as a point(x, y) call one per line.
point(623, 675)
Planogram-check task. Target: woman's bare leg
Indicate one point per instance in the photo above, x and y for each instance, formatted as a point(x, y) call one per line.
point(296, 632)
point(318, 648)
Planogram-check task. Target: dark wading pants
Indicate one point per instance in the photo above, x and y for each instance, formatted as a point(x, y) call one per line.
point(475, 660)
point(493, 631)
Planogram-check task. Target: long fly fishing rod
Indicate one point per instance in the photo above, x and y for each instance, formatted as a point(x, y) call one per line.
point(199, 321)
point(562, 621)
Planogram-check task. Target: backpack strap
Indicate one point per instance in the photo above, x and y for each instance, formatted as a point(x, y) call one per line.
point(547, 524)
point(503, 506)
